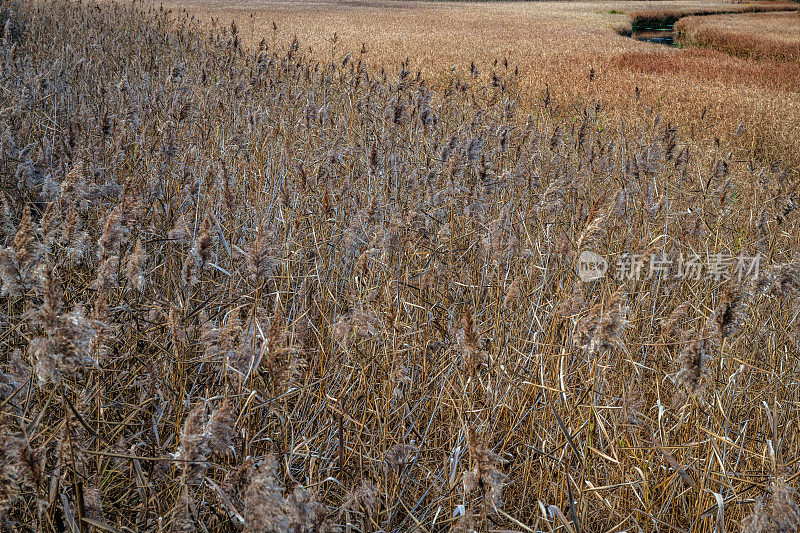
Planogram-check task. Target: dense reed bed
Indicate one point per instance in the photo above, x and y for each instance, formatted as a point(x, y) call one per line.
point(252, 288)
point(574, 48)
point(668, 17)
point(771, 37)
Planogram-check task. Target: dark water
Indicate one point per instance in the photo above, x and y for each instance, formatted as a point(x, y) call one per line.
point(659, 36)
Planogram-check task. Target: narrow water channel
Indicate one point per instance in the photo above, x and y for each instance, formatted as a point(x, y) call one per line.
point(655, 35)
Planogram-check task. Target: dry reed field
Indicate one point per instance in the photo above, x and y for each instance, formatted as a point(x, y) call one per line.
point(571, 47)
point(260, 289)
point(671, 15)
point(769, 36)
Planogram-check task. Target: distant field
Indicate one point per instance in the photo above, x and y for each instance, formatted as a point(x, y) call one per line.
point(556, 45)
point(769, 36)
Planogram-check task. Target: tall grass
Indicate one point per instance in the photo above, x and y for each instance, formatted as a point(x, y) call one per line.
point(557, 45)
point(659, 18)
point(737, 37)
point(253, 288)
